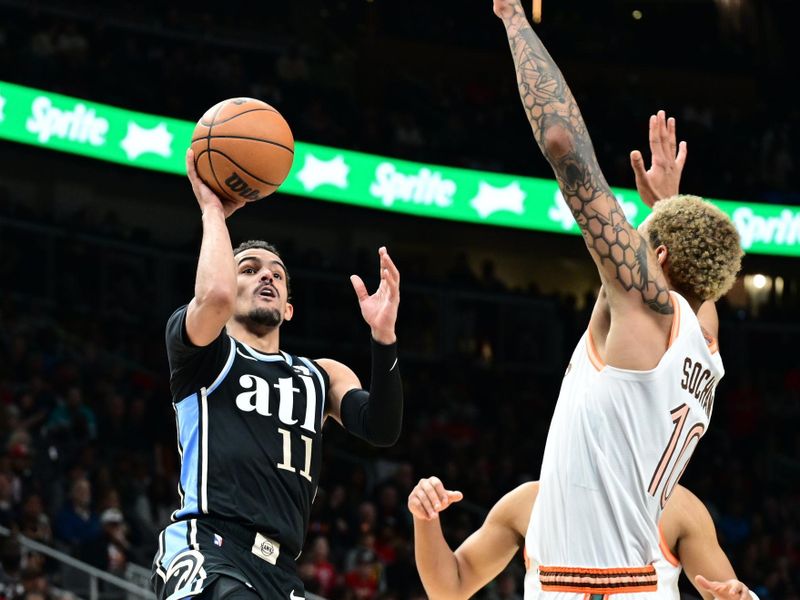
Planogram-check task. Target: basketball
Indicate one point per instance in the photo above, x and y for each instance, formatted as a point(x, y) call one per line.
point(243, 149)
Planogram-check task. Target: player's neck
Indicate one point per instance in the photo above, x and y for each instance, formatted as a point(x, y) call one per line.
point(266, 340)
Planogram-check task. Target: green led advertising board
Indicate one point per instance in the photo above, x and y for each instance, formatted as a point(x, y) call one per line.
point(48, 120)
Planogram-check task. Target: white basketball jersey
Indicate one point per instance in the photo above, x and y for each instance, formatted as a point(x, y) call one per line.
point(668, 572)
point(618, 443)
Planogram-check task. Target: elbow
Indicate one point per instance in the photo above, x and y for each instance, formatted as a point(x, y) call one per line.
point(217, 298)
point(385, 439)
point(556, 142)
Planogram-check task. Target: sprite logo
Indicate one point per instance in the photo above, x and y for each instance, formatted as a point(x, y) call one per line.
point(425, 187)
point(783, 229)
point(80, 124)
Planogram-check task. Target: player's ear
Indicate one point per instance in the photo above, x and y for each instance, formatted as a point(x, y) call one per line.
point(662, 254)
point(288, 312)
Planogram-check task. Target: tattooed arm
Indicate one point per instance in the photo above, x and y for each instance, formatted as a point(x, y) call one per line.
point(630, 272)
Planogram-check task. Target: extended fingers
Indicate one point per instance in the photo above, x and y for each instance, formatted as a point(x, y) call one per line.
point(680, 160)
point(637, 164)
point(724, 590)
point(359, 287)
point(388, 269)
point(667, 146)
point(654, 137)
point(671, 135)
point(710, 586)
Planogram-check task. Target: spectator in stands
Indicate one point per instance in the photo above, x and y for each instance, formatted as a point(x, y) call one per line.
point(324, 572)
point(76, 523)
point(72, 420)
point(109, 551)
point(33, 521)
point(363, 580)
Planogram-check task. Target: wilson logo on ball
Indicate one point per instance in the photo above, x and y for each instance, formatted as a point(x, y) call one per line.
point(239, 187)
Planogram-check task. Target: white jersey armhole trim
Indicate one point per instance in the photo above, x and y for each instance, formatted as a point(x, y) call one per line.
point(226, 368)
point(321, 380)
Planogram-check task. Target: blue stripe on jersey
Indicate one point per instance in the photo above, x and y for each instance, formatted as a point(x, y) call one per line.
point(189, 434)
point(176, 540)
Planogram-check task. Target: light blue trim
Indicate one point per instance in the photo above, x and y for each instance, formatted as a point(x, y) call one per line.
point(188, 422)
point(175, 542)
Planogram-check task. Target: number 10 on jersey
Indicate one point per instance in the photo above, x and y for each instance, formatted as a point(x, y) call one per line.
point(669, 482)
point(286, 463)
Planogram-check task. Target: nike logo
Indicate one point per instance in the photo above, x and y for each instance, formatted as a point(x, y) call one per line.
point(293, 597)
point(394, 364)
point(243, 355)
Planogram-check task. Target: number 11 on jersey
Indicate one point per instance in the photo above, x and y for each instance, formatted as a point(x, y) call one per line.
point(286, 463)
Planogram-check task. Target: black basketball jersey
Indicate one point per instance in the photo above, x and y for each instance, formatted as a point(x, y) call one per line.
point(249, 433)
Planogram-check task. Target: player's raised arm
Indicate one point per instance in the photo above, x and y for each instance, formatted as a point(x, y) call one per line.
point(215, 282)
point(629, 270)
point(448, 575)
point(375, 416)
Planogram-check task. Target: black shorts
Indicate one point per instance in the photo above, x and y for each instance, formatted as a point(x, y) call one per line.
point(193, 554)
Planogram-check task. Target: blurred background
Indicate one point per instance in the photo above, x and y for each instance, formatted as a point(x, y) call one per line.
point(95, 256)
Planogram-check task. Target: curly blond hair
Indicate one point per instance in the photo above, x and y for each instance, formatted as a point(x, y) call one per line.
point(704, 249)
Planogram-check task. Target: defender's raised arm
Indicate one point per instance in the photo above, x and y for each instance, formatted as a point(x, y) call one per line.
point(626, 266)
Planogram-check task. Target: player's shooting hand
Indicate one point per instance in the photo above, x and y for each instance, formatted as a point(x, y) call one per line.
point(429, 498)
point(206, 198)
point(505, 9)
point(380, 309)
point(667, 158)
point(732, 589)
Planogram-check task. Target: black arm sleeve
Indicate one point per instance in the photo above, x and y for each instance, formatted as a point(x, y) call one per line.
point(377, 416)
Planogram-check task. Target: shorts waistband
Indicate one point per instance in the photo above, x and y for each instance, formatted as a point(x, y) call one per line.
point(247, 539)
point(622, 580)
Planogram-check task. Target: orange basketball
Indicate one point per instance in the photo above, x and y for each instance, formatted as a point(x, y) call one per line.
point(243, 149)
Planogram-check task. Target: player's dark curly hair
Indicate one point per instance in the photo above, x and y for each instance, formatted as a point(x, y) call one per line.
point(262, 245)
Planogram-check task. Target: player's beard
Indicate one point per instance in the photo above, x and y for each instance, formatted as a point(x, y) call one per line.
point(263, 318)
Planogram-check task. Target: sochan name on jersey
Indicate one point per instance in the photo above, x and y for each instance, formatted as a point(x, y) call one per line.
point(783, 230)
point(700, 383)
point(81, 124)
point(425, 187)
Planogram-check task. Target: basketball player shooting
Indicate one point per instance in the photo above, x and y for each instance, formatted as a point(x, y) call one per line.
point(638, 392)
point(249, 416)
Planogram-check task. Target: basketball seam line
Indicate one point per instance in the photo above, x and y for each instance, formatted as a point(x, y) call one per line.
point(241, 137)
point(211, 162)
point(248, 173)
point(236, 115)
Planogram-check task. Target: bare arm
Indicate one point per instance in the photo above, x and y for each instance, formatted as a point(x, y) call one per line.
point(342, 380)
point(628, 269)
point(699, 550)
point(709, 319)
point(449, 575)
point(215, 282)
